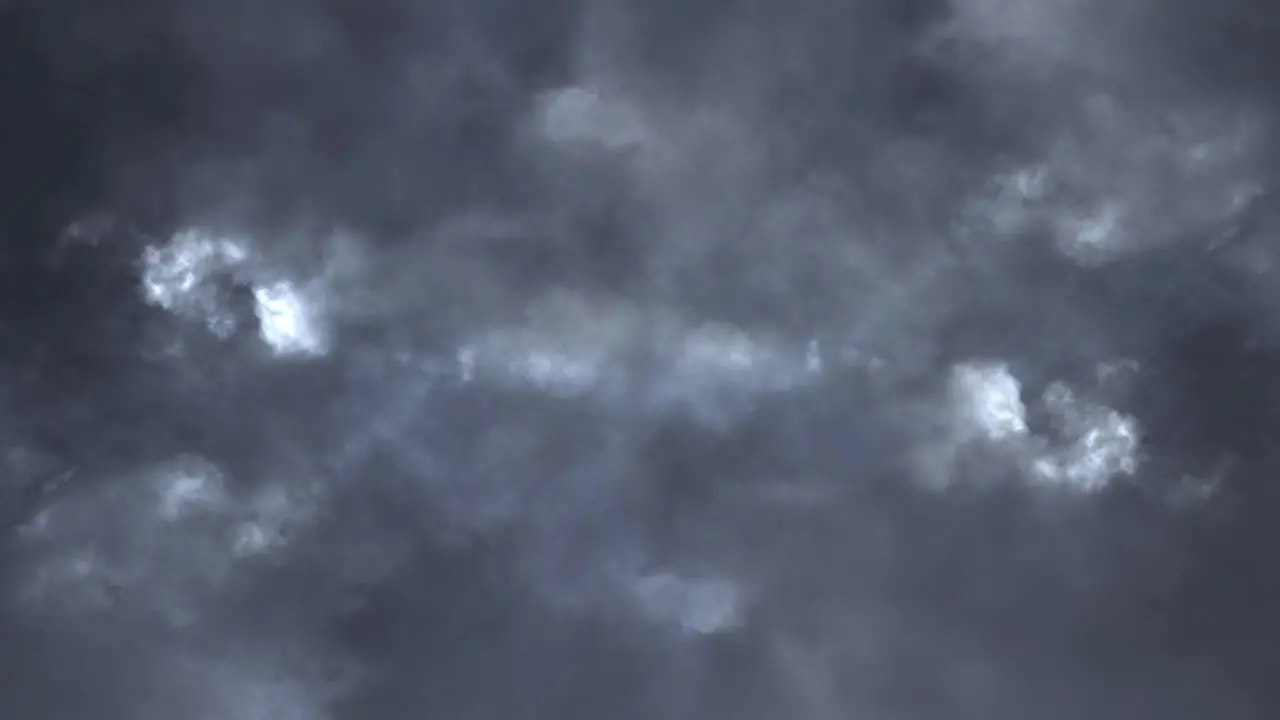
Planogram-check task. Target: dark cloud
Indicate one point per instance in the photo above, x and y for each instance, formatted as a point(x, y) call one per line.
point(686, 360)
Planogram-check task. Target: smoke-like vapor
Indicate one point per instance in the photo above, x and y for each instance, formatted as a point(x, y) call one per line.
point(889, 359)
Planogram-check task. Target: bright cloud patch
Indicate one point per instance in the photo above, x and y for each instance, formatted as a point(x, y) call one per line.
point(177, 277)
point(190, 276)
point(649, 360)
point(287, 323)
point(1100, 443)
point(988, 400)
point(1087, 447)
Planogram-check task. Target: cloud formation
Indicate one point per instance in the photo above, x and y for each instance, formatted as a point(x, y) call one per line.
point(728, 359)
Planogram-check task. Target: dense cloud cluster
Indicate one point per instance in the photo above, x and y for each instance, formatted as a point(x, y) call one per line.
point(890, 359)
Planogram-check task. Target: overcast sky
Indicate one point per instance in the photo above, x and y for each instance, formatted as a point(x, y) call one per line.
point(578, 359)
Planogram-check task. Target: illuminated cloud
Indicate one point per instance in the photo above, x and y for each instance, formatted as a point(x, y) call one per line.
point(286, 321)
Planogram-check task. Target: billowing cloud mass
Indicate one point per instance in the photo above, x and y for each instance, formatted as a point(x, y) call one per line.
point(887, 359)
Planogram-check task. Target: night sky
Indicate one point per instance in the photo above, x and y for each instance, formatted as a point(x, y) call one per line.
point(578, 359)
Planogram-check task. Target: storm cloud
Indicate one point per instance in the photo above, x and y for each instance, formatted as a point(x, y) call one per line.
point(728, 358)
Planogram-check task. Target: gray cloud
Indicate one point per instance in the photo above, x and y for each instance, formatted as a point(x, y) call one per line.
point(725, 359)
